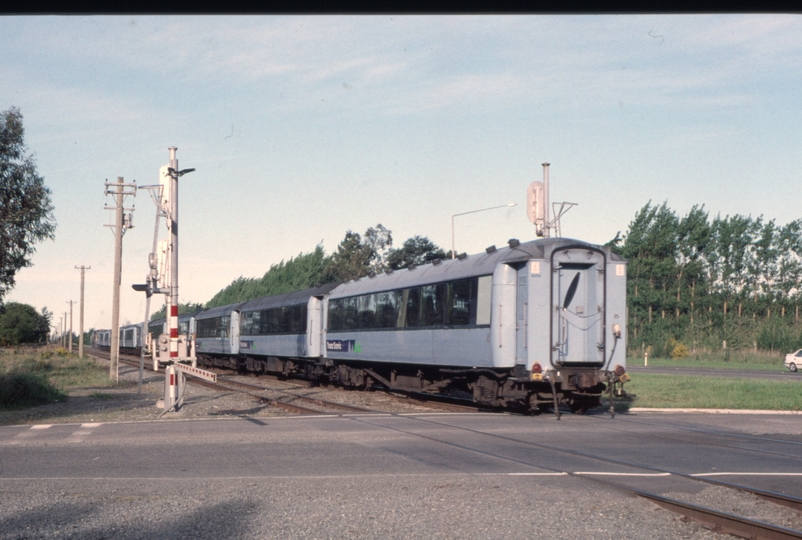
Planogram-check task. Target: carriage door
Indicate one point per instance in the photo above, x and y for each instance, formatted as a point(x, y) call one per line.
point(521, 315)
point(578, 304)
point(233, 334)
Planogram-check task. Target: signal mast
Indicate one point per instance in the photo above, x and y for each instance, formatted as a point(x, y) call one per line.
point(163, 279)
point(537, 204)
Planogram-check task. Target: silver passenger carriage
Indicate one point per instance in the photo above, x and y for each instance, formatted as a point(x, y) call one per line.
point(217, 336)
point(526, 326)
point(277, 329)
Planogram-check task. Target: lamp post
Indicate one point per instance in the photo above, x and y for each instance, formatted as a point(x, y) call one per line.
point(453, 249)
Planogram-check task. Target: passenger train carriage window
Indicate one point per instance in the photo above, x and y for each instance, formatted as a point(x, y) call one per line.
point(432, 305)
point(249, 323)
point(350, 319)
point(216, 327)
point(298, 319)
point(412, 303)
point(386, 309)
point(273, 321)
point(462, 302)
point(223, 326)
point(366, 309)
point(281, 320)
point(335, 321)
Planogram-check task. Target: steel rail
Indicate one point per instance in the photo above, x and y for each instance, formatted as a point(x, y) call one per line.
point(723, 522)
point(273, 402)
point(316, 401)
point(791, 502)
point(437, 402)
point(290, 407)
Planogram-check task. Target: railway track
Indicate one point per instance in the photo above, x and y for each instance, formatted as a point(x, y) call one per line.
point(718, 521)
point(429, 400)
point(297, 403)
point(229, 384)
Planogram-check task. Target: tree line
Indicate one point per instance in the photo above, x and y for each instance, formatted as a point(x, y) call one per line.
point(696, 282)
point(356, 256)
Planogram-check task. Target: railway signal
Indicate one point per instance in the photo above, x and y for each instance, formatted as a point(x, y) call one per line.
point(165, 195)
point(537, 207)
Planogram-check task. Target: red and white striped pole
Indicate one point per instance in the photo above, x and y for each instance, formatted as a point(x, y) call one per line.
point(173, 218)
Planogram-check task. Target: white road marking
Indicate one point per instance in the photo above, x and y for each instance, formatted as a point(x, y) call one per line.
point(748, 474)
point(593, 473)
point(83, 431)
point(537, 474)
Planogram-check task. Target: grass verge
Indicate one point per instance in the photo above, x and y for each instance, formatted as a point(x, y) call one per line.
point(35, 377)
point(670, 391)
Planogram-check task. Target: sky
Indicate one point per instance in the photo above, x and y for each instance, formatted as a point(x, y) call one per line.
point(301, 128)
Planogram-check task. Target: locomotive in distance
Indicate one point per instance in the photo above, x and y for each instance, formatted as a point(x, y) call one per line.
point(527, 327)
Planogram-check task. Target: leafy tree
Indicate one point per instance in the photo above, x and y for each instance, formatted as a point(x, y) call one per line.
point(694, 235)
point(417, 250)
point(380, 242)
point(20, 323)
point(26, 212)
point(695, 282)
point(357, 257)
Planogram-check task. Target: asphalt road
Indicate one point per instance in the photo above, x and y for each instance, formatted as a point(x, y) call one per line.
point(394, 476)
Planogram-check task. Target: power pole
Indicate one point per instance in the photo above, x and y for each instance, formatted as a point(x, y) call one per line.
point(123, 223)
point(70, 302)
point(64, 332)
point(58, 332)
point(83, 270)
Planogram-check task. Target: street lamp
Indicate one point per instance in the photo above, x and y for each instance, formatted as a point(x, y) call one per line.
point(453, 249)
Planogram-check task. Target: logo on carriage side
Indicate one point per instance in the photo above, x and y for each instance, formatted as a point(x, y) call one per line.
point(342, 345)
point(245, 344)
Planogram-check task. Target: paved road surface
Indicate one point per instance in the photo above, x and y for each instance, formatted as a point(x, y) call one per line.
point(391, 476)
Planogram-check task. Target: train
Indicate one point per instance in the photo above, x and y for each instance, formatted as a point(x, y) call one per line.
point(131, 335)
point(528, 327)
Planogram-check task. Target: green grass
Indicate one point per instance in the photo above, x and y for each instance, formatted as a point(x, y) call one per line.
point(33, 377)
point(669, 391)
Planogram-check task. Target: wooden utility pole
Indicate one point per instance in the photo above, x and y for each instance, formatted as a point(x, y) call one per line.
point(122, 223)
point(83, 270)
point(64, 331)
point(70, 302)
